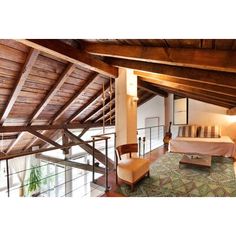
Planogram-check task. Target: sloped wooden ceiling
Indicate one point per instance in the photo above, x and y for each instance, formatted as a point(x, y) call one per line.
point(39, 88)
point(54, 82)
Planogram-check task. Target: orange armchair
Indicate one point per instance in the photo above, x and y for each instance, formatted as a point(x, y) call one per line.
point(130, 170)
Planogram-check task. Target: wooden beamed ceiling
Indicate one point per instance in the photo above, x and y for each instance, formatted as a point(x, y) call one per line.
point(76, 56)
point(219, 60)
point(53, 82)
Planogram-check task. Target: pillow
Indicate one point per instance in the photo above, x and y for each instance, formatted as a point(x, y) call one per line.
point(209, 131)
point(188, 131)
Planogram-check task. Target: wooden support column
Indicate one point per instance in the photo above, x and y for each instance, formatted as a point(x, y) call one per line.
point(126, 107)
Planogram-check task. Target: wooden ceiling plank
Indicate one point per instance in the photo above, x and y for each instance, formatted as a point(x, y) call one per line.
point(150, 88)
point(224, 79)
point(107, 112)
point(88, 82)
point(71, 54)
point(220, 60)
point(91, 101)
point(31, 58)
point(66, 73)
point(194, 84)
point(97, 110)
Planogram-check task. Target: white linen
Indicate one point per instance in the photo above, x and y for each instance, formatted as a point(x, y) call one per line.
point(223, 146)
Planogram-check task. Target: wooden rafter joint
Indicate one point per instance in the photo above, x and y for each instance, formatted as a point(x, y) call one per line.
point(231, 111)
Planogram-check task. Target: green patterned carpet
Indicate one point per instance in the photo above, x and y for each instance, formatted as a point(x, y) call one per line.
point(167, 180)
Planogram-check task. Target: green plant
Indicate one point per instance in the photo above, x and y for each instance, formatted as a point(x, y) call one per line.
point(34, 179)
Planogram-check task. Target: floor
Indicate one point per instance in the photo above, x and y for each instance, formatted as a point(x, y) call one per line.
point(152, 156)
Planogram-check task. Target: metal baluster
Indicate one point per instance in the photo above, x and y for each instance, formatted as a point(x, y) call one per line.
point(144, 139)
point(150, 139)
point(107, 188)
point(93, 176)
point(115, 150)
point(139, 146)
point(8, 181)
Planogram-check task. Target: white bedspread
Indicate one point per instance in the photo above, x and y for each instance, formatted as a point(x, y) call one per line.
point(223, 146)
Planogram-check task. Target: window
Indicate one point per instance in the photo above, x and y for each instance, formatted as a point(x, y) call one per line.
point(180, 110)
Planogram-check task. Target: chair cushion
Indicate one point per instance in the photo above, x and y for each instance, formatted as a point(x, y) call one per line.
point(132, 169)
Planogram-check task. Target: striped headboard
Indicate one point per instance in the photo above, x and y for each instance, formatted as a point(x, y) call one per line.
point(213, 131)
point(187, 131)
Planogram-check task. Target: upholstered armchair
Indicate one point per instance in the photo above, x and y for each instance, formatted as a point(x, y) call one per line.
point(130, 168)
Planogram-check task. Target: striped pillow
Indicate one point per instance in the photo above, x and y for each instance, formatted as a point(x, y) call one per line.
point(187, 131)
point(210, 131)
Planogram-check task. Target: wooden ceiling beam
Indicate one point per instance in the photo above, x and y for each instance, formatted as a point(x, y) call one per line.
point(44, 138)
point(73, 164)
point(181, 87)
point(41, 150)
point(152, 89)
point(61, 80)
point(232, 111)
point(30, 60)
point(220, 60)
point(226, 91)
point(13, 129)
point(202, 98)
point(89, 81)
point(68, 53)
point(224, 79)
point(146, 99)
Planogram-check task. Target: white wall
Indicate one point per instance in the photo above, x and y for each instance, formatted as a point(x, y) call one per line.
point(201, 113)
point(153, 108)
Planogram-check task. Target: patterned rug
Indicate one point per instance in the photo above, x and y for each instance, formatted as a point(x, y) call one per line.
point(168, 180)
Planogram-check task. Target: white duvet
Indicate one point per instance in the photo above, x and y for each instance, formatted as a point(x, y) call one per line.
point(223, 146)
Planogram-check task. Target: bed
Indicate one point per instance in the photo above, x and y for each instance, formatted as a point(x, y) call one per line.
point(222, 146)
